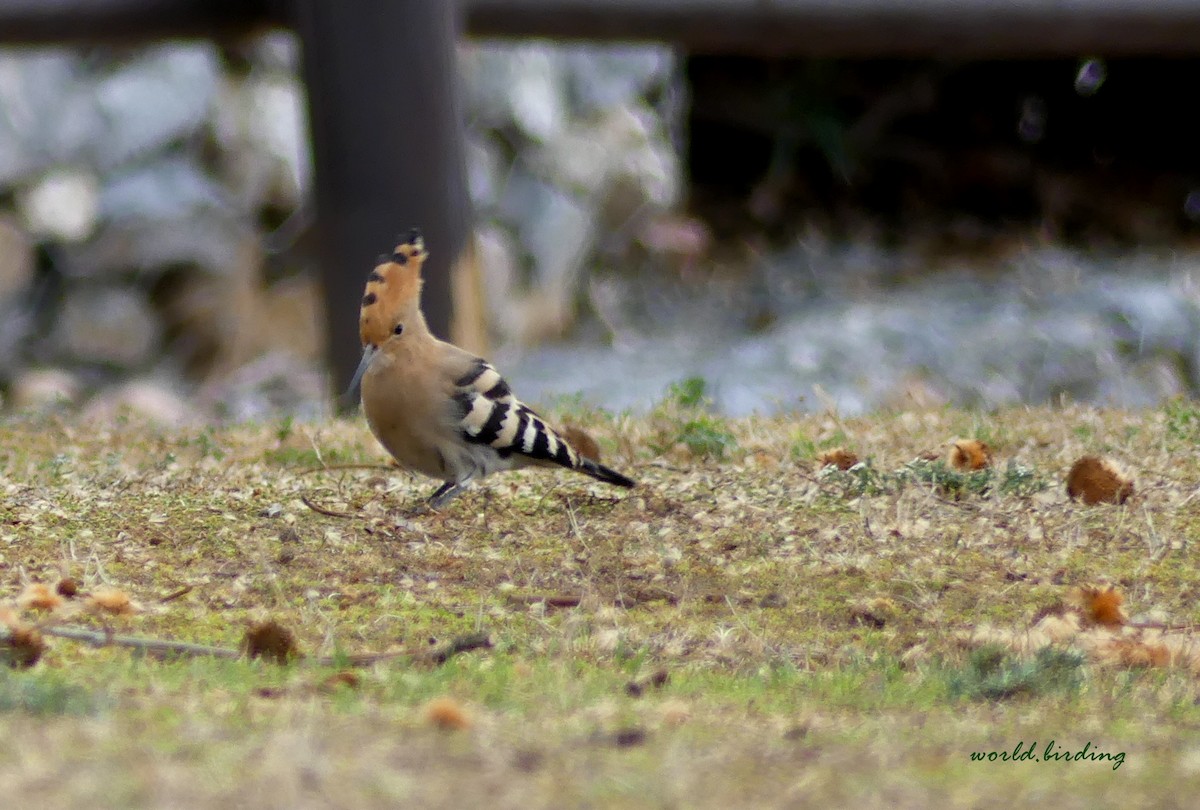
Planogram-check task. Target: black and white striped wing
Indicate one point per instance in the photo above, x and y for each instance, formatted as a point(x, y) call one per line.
point(491, 415)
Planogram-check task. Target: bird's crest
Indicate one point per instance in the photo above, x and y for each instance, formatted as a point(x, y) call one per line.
point(393, 290)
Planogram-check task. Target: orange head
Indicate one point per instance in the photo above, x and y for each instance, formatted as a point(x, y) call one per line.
point(391, 305)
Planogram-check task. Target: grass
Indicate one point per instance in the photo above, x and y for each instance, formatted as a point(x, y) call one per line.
point(809, 623)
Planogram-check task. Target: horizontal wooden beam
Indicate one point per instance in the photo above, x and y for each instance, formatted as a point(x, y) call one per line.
point(831, 28)
point(860, 28)
point(34, 22)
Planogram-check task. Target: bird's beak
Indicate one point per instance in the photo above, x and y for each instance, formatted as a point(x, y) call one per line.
point(367, 355)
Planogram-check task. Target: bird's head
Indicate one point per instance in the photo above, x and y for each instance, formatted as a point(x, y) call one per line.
point(391, 304)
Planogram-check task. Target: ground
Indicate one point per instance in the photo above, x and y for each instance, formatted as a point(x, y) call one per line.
point(743, 629)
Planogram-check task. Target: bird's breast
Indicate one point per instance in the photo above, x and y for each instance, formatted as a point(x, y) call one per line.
point(403, 408)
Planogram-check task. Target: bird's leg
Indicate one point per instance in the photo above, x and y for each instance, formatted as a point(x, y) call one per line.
point(446, 493)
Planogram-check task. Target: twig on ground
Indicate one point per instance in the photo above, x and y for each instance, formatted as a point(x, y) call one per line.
point(550, 600)
point(162, 648)
point(459, 644)
point(173, 595)
point(152, 646)
point(330, 467)
point(324, 511)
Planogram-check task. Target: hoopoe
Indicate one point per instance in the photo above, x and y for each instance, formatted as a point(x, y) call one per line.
point(440, 410)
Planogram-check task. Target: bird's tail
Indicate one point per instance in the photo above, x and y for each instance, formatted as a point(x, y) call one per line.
point(602, 473)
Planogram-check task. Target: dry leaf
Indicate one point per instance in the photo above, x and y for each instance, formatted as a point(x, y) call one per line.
point(112, 601)
point(346, 678)
point(9, 618)
point(1097, 480)
point(447, 713)
point(272, 641)
point(21, 647)
point(1101, 605)
point(1097, 626)
point(970, 454)
point(838, 457)
point(37, 596)
point(1135, 652)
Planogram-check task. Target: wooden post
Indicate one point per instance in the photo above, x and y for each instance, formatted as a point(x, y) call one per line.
point(388, 150)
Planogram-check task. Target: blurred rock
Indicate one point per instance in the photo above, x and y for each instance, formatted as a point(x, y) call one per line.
point(157, 179)
point(1112, 337)
point(111, 325)
point(1152, 381)
point(61, 205)
point(215, 324)
point(580, 161)
point(645, 172)
point(172, 188)
point(17, 325)
point(522, 84)
point(485, 172)
point(604, 76)
point(262, 124)
point(207, 319)
point(679, 236)
point(34, 389)
point(17, 273)
point(1156, 316)
point(277, 382)
point(277, 51)
point(162, 95)
point(145, 399)
point(557, 230)
point(497, 260)
point(558, 234)
point(616, 157)
point(211, 242)
point(46, 112)
point(16, 260)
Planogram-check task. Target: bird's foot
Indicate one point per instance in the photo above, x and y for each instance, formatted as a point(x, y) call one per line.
point(444, 494)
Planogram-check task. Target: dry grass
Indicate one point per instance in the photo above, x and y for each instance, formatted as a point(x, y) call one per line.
point(744, 629)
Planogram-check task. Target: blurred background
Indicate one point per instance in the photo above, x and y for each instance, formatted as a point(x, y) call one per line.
point(798, 231)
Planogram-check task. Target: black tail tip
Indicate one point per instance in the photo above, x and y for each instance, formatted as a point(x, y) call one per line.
point(608, 476)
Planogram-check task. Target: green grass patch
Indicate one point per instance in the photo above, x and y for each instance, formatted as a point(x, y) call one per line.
point(992, 673)
point(45, 692)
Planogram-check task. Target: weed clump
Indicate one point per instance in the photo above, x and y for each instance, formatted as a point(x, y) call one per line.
point(864, 479)
point(691, 426)
point(993, 674)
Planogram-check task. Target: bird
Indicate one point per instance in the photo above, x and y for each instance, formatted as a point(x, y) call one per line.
point(438, 409)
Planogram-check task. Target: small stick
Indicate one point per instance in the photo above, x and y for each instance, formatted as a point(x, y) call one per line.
point(550, 600)
point(461, 644)
point(153, 646)
point(322, 510)
point(162, 647)
point(328, 467)
point(173, 595)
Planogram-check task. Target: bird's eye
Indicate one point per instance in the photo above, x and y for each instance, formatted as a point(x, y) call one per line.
point(398, 329)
